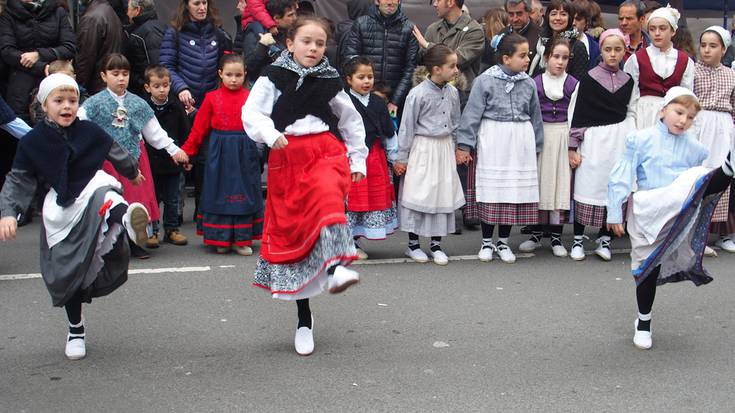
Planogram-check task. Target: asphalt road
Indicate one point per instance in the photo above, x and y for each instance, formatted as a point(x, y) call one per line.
point(544, 334)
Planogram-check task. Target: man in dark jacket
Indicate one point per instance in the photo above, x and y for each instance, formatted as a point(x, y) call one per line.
point(355, 9)
point(386, 37)
point(32, 35)
point(519, 17)
point(100, 33)
point(261, 48)
point(143, 41)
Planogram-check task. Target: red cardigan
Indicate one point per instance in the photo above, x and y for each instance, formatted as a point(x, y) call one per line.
point(221, 110)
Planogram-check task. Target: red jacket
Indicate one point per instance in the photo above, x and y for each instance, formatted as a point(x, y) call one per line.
point(255, 10)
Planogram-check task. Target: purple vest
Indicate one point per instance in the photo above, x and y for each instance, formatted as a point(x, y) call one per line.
point(555, 111)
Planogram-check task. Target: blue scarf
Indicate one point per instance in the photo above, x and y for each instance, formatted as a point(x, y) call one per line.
point(510, 81)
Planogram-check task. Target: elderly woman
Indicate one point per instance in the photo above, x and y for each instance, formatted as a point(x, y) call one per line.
point(32, 35)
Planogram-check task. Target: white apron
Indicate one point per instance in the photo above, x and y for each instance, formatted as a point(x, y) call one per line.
point(647, 111)
point(506, 163)
point(716, 132)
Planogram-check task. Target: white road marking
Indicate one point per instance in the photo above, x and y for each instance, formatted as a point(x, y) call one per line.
point(8, 277)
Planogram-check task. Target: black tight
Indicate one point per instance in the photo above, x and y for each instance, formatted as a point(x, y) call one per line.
point(489, 229)
point(73, 309)
point(579, 230)
point(304, 312)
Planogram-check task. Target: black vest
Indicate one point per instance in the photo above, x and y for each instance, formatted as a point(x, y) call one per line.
point(596, 106)
point(312, 98)
point(376, 119)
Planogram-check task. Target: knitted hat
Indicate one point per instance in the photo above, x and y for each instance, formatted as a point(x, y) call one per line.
point(54, 81)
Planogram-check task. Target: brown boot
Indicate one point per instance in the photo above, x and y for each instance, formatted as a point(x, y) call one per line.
point(152, 241)
point(175, 237)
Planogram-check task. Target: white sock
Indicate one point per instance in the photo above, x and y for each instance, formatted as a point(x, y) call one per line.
point(644, 317)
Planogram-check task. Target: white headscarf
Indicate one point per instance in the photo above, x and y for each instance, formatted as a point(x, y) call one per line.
point(675, 92)
point(667, 13)
point(51, 82)
point(724, 35)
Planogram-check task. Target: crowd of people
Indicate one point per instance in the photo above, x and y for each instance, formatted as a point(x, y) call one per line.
point(526, 117)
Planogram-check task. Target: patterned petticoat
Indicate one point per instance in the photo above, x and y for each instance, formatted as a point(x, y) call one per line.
point(508, 214)
point(308, 277)
point(374, 225)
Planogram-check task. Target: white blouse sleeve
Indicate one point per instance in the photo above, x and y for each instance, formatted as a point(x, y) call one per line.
point(158, 138)
point(631, 68)
point(257, 110)
point(687, 80)
point(82, 113)
point(572, 105)
point(352, 129)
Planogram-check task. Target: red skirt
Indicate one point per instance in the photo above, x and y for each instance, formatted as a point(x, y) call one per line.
point(144, 193)
point(308, 182)
point(375, 192)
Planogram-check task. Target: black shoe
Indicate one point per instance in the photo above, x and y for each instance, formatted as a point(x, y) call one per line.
point(138, 252)
point(527, 230)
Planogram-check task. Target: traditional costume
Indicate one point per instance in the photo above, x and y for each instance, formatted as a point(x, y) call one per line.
point(655, 71)
point(84, 214)
point(602, 115)
point(713, 127)
point(371, 209)
point(669, 214)
point(126, 118)
point(305, 231)
point(231, 204)
point(502, 121)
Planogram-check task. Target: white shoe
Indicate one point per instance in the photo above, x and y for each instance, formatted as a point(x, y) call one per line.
point(440, 258)
point(505, 254)
point(76, 349)
point(361, 254)
point(417, 255)
point(486, 253)
point(603, 248)
point(709, 252)
point(577, 253)
point(303, 341)
point(557, 247)
point(244, 250)
point(342, 279)
point(135, 222)
point(727, 244)
point(642, 339)
point(530, 244)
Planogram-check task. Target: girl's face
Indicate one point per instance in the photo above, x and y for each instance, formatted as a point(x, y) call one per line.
point(232, 75)
point(678, 118)
point(613, 51)
point(61, 106)
point(519, 61)
point(446, 72)
point(197, 10)
point(580, 23)
point(308, 45)
point(116, 80)
point(711, 49)
point(558, 20)
point(558, 60)
point(362, 80)
point(661, 33)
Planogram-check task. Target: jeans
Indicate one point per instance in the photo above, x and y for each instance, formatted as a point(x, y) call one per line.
point(167, 191)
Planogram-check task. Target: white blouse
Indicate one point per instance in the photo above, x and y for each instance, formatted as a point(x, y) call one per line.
point(260, 127)
point(152, 131)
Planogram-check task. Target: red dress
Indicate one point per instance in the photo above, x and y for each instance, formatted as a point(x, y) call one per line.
point(145, 193)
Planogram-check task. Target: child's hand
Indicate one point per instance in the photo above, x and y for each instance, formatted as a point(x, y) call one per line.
point(617, 229)
point(180, 157)
point(138, 179)
point(357, 177)
point(462, 157)
point(280, 143)
point(399, 168)
point(273, 30)
point(266, 39)
point(574, 159)
point(8, 226)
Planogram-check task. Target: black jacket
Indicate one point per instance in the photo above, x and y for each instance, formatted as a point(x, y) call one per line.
point(258, 57)
point(390, 43)
point(142, 47)
point(99, 34)
point(175, 122)
point(46, 31)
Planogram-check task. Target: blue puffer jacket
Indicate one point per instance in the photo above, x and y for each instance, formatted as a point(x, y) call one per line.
point(192, 56)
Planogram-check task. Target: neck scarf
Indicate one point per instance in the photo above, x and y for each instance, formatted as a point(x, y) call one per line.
point(322, 70)
point(510, 81)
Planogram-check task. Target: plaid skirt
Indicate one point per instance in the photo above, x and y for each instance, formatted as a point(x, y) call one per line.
point(590, 215)
point(508, 214)
point(723, 208)
point(471, 210)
